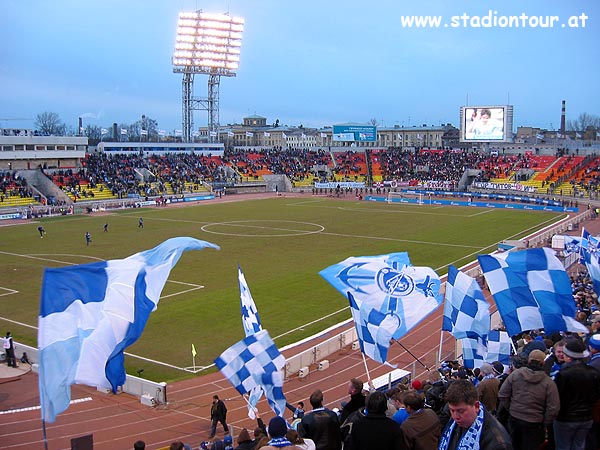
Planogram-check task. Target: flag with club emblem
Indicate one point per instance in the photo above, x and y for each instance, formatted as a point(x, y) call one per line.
point(389, 284)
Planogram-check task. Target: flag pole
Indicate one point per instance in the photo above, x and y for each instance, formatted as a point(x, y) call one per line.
point(366, 367)
point(44, 433)
point(411, 354)
point(440, 350)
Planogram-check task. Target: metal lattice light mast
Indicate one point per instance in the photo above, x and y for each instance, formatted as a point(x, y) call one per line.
point(205, 44)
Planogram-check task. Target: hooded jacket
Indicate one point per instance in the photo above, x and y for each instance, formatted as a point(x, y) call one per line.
point(530, 395)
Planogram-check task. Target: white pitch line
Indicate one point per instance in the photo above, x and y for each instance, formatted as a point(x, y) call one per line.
point(182, 292)
point(35, 408)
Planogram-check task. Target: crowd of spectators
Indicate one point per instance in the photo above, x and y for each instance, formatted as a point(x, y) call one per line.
point(11, 185)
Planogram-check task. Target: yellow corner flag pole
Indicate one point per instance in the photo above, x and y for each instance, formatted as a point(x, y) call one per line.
point(194, 356)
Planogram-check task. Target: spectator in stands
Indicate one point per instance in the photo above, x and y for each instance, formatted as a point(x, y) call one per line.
point(488, 388)
point(357, 398)
point(303, 443)
point(244, 440)
point(277, 431)
point(401, 414)
point(579, 388)
point(555, 361)
point(421, 429)
point(321, 425)
point(531, 399)
point(139, 445)
point(470, 423)
point(375, 431)
point(298, 410)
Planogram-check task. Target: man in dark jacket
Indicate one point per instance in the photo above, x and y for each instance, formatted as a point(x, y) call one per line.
point(578, 387)
point(357, 398)
point(218, 413)
point(531, 398)
point(470, 422)
point(321, 425)
point(376, 431)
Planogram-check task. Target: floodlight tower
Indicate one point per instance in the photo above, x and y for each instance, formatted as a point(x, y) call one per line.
point(205, 44)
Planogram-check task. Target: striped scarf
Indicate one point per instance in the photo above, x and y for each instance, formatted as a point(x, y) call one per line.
point(470, 440)
point(280, 442)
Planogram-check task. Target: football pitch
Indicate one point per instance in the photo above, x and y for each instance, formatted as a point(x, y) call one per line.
point(281, 244)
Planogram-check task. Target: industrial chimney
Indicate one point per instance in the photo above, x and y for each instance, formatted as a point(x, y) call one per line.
point(563, 116)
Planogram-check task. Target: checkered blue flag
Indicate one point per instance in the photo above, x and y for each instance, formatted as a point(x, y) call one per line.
point(251, 323)
point(250, 318)
point(498, 347)
point(246, 362)
point(466, 313)
point(474, 350)
point(374, 329)
point(532, 290)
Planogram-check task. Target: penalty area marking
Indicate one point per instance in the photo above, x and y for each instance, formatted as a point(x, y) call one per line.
point(248, 224)
point(9, 291)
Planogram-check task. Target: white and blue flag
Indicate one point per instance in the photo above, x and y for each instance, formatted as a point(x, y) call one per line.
point(466, 313)
point(374, 329)
point(474, 350)
point(250, 317)
point(251, 323)
point(532, 291)
point(389, 284)
point(589, 252)
point(90, 313)
point(498, 347)
point(254, 362)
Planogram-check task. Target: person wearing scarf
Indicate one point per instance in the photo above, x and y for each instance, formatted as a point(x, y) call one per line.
point(471, 426)
point(277, 430)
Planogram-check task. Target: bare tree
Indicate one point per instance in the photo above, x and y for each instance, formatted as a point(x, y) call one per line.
point(373, 122)
point(49, 123)
point(584, 122)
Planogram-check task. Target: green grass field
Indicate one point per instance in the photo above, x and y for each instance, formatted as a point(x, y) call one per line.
point(281, 244)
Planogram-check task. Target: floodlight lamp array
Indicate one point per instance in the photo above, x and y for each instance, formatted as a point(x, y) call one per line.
point(206, 43)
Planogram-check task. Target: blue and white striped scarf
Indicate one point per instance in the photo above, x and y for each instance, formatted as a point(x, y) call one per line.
point(470, 440)
point(280, 442)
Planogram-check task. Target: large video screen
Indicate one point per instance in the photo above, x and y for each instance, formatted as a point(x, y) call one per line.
point(354, 133)
point(485, 123)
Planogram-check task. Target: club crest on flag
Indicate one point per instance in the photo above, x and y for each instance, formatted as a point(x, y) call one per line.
point(389, 284)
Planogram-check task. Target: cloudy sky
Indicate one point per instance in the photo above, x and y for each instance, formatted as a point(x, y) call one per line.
point(314, 63)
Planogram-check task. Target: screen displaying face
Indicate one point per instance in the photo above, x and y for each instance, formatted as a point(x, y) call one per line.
point(483, 124)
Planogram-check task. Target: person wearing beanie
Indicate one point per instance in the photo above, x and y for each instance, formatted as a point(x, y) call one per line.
point(277, 432)
point(579, 388)
point(531, 399)
point(594, 347)
point(228, 442)
point(488, 387)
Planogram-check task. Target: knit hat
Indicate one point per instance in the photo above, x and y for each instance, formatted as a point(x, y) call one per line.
point(498, 367)
point(487, 368)
point(277, 427)
point(227, 440)
point(594, 341)
point(537, 355)
point(576, 349)
point(218, 445)
point(417, 385)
